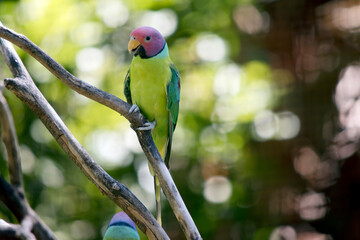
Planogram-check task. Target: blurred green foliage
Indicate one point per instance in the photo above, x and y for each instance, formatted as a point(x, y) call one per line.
point(245, 110)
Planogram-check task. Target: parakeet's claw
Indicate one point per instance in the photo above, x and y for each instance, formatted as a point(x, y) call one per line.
point(134, 108)
point(147, 126)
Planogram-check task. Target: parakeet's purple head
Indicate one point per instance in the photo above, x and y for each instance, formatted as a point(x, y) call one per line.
point(121, 218)
point(146, 42)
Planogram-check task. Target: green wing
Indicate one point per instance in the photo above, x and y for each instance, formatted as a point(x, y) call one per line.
point(173, 99)
point(127, 90)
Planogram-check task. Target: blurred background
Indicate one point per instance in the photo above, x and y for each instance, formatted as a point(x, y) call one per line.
point(267, 141)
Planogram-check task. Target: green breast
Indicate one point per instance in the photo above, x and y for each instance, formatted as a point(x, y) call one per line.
point(149, 78)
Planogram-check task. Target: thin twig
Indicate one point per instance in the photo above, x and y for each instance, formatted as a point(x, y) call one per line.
point(10, 140)
point(14, 231)
point(24, 88)
point(111, 101)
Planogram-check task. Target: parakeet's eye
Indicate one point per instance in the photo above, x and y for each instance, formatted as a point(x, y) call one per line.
point(147, 38)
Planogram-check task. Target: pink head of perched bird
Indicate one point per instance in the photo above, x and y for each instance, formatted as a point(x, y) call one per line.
point(146, 42)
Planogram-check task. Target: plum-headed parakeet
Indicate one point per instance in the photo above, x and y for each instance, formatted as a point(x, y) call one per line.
point(152, 86)
point(121, 227)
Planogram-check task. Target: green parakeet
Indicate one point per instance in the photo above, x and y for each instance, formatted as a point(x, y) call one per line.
point(121, 227)
point(152, 86)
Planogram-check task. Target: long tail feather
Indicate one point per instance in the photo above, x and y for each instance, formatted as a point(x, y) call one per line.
point(158, 199)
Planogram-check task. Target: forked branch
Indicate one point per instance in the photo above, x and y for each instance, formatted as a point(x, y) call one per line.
point(12, 195)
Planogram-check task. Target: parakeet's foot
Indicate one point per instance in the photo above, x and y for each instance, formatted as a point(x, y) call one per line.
point(147, 126)
point(134, 108)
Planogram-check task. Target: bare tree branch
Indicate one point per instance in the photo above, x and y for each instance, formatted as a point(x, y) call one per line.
point(24, 88)
point(136, 119)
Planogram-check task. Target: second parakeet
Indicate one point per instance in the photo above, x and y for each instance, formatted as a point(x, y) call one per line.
point(121, 227)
